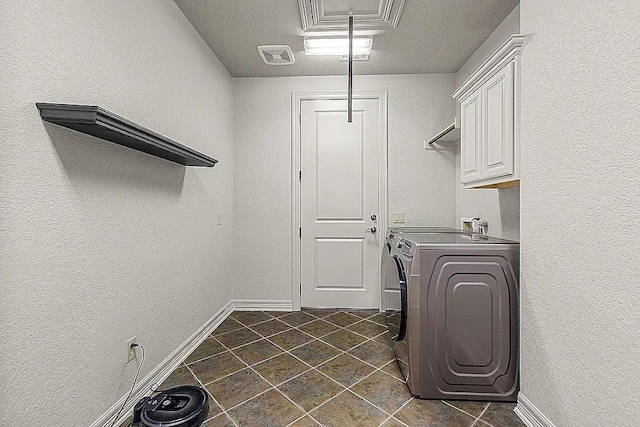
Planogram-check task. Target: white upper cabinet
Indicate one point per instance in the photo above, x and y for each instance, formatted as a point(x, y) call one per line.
point(490, 110)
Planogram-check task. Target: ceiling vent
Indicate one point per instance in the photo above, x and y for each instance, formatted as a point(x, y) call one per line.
point(276, 54)
point(332, 15)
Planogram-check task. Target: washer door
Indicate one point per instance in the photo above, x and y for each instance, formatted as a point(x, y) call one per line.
point(395, 283)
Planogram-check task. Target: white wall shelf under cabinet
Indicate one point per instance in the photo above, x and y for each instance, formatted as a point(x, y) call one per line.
point(490, 120)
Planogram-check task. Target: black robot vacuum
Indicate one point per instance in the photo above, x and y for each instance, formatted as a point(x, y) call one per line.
point(183, 406)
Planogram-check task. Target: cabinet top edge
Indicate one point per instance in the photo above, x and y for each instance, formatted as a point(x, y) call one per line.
point(509, 48)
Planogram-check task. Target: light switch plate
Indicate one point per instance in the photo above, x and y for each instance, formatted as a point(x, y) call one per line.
point(397, 217)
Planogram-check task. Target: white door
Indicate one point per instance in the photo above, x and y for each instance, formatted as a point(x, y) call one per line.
point(470, 151)
point(338, 198)
point(497, 95)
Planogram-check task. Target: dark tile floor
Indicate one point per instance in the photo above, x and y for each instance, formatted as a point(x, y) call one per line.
point(316, 367)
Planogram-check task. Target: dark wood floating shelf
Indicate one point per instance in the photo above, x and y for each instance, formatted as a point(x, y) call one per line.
point(103, 124)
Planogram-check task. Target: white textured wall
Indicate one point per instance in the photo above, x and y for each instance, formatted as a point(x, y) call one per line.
point(421, 183)
point(99, 242)
point(580, 211)
point(501, 208)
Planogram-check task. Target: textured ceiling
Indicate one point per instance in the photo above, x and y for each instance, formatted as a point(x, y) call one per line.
point(434, 36)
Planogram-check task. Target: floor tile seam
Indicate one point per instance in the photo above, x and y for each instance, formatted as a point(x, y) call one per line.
point(346, 328)
point(231, 408)
point(226, 332)
point(461, 410)
point(255, 372)
point(255, 332)
point(377, 323)
point(400, 409)
point(325, 361)
point(337, 382)
point(394, 419)
point(296, 347)
point(363, 336)
point(284, 352)
point(357, 395)
point(364, 361)
point(275, 387)
point(228, 375)
point(391, 375)
point(272, 335)
point(389, 363)
point(486, 407)
point(287, 380)
point(342, 388)
point(304, 411)
point(261, 361)
point(204, 358)
point(296, 420)
point(301, 324)
point(478, 420)
point(323, 402)
point(340, 326)
point(282, 332)
point(265, 321)
point(293, 348)
point(327, 401)
point(228, 417)
point(349, 349)
point(257, 323)
point(212, 397)
point(242, 345)
point(249, 343)
point(369, 402)
point(322, 336)
point(329, 344)
point(359, 381)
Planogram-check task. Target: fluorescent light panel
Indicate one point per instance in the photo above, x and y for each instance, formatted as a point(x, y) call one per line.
point(337, 46)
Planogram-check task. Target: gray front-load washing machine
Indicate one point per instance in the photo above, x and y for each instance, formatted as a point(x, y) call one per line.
point(456, 333)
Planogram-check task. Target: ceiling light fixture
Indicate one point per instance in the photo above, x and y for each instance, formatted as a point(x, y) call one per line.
point(338, 46)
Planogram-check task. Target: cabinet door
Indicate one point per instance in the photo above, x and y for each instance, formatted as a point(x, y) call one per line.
point(470, 140)
point(497, 121)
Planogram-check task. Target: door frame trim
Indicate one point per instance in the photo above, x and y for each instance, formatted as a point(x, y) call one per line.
point(296, 100)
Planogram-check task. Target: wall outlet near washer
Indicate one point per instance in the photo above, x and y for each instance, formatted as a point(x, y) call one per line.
point(131, 351)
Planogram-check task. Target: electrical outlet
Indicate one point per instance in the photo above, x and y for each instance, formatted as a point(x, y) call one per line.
point(131, 351)
point(398, 218)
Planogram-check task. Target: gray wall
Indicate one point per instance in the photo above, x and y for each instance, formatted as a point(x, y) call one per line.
point(99, 242)
point(501, 208)
point(420, 183)
point(579, 195)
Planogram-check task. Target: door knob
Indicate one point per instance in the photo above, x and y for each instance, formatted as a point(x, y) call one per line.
point(373, 217)
point(371, 229)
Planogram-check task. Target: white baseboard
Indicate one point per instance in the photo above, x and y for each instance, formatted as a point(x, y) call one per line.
point(166, 367)
point(261, 305)
point(529, 414)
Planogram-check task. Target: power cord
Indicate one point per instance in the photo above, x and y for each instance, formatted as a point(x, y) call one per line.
point(132, 385)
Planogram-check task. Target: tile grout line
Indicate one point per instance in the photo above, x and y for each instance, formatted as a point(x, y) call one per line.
point(480, 416)
point(263, 392)
point(376, 369)
point(224, 411)
point(393, 415)
point(465, 412)
point(275, 387)
point(311, 368)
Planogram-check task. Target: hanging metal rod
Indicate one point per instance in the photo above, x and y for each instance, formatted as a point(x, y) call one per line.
point(350, 89)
